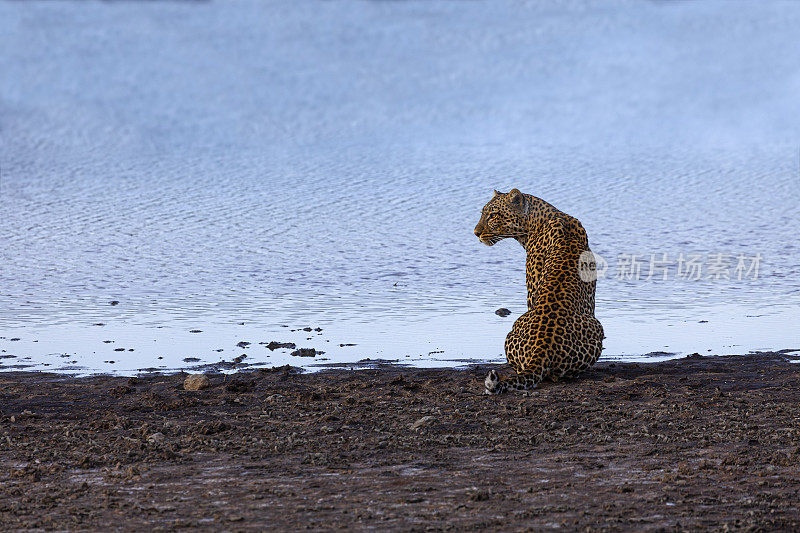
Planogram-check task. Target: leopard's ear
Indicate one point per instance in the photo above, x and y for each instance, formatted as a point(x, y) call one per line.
point(497, 193)
point(516, 199)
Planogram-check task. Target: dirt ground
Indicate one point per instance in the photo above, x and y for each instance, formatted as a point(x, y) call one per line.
point(691, 444)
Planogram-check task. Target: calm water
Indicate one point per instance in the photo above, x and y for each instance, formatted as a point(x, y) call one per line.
point(239, 167)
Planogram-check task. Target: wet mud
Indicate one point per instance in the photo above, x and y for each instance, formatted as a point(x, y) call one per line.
point(702, 443)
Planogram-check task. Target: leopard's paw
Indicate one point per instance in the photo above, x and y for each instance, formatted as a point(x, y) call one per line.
point(491, 382)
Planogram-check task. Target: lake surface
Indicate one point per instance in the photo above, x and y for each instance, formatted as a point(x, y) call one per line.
point(248, 169)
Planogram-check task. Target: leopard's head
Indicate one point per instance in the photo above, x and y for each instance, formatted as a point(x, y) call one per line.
point(502, 217)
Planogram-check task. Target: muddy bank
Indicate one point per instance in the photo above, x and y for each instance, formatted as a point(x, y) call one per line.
point(696, 443)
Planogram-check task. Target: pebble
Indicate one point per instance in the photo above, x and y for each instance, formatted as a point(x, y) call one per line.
point(502, 312)
point(156, 438)
point(196, 382)
point(424, 421)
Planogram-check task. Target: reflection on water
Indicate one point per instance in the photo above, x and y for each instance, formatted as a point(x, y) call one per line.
point(292, 164)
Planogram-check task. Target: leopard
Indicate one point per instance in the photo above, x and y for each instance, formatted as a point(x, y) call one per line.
point(558, 336)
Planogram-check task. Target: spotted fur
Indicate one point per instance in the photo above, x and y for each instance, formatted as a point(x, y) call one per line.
point(559, 335)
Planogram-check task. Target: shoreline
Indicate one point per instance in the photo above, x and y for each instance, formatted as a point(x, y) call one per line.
point(694, 443)
point(105, 344)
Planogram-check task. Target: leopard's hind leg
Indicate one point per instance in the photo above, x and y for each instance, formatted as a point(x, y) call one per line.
point(588, 342)
point(585, 341)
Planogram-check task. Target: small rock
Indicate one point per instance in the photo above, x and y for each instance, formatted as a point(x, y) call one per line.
point(191, 359)
point(502, 312)
point(307, 329)
point(155, 438)
point(195, 331)
point(480, 495)
point(424, 421)
point(113, 302)
point(274, 345)
point(242, 344)
point(196, 382)
point(305, 352)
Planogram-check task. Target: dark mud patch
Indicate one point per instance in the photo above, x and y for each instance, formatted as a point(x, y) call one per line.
point(387, 364)
point(698, 444)
point(274, 345)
